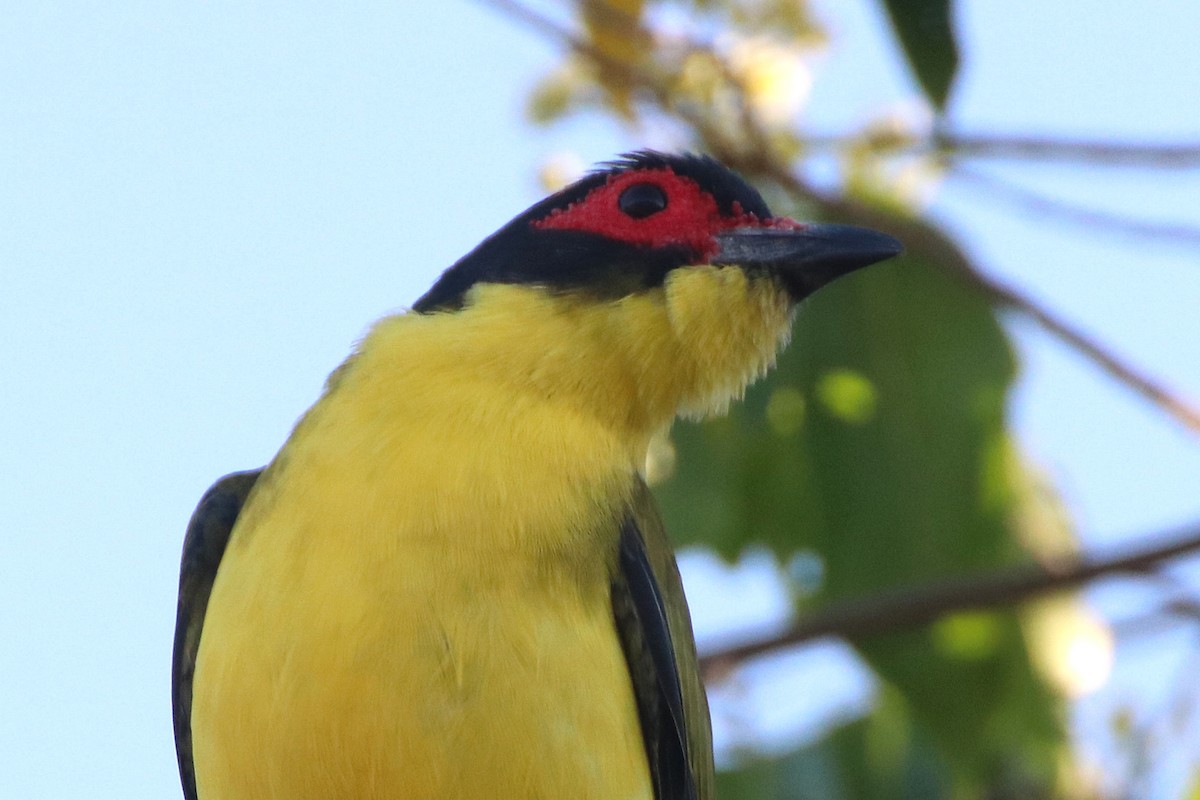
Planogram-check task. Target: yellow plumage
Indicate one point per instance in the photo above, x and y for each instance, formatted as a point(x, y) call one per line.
point(415, 601)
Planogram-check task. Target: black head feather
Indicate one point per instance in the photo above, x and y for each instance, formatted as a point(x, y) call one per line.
point(577, 260)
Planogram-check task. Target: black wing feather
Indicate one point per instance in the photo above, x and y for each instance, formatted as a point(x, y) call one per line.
point(641, 618)
point(207, 535)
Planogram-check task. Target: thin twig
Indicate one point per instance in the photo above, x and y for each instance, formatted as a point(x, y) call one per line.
point(1032, 202)
point(899, 610)
point(1109, 154)
point(1021, 148)
point(539, 22)
point(1152, 390)
point(1167, 617)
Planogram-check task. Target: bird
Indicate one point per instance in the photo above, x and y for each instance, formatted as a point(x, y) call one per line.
point(452, 580)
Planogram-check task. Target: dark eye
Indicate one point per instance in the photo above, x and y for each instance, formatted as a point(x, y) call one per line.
point(641, 200)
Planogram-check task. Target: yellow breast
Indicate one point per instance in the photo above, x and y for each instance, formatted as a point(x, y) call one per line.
point(415, 600)
point(415, 605)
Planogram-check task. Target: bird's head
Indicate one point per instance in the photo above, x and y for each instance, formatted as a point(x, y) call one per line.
point(665, 273)
point(627, 227)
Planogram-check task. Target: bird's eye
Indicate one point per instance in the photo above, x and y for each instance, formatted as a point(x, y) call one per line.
point(641, 200)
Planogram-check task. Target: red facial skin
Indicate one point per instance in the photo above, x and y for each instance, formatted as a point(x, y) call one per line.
point(690, 219)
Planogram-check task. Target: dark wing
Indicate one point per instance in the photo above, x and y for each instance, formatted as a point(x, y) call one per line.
point(207, 534)
point(656, 635)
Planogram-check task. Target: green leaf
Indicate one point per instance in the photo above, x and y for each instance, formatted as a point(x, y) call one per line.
point(927, 36)
point(878, 758)
point(758, 780)
point(872, 442)
point(812, 773)
point(888, 757)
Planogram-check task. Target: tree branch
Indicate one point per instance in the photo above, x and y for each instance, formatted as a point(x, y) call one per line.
point(932, 245)
point(533, 19)
point(898, 610)
point(1022, 148)
point(920, 238)
point(1032, 202)
point(1108, 154)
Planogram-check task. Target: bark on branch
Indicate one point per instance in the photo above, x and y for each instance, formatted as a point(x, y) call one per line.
point(904, 609)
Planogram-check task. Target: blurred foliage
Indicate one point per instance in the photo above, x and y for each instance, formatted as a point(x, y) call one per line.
point(614, 29)
point(1194, 791)
point(877, 454)
point(924, 30)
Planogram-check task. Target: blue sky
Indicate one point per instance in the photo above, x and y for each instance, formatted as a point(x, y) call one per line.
point(203, 205)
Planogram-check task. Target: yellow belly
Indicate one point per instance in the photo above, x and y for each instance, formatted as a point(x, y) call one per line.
point(457, 691)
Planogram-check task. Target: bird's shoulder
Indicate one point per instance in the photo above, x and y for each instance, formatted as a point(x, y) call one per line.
point(655, 629)
point(204, 545)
